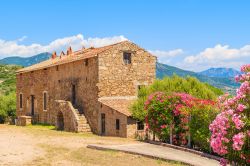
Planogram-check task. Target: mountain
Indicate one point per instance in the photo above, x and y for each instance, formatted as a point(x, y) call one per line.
point(21, 61)
point(220, 72)
point(225, 83)
point(217, 77)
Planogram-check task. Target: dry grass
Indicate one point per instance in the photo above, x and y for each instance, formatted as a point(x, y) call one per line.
point(65, 148)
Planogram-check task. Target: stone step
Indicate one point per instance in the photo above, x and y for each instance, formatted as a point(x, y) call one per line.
point(85, 131)
point(83, 125)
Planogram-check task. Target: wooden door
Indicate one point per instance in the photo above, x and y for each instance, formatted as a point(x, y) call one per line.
point(103, 123)
point(32, 105)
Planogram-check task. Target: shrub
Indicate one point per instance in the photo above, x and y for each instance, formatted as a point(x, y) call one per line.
point(168, 85)
point(7, 107)
point(231, 128)
point(201, 117)
point(176, 114)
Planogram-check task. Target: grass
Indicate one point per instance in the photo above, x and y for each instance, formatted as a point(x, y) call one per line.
point(66, 148)
point(83, 156)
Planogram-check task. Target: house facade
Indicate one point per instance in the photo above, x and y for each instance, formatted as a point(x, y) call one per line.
point(86, 90)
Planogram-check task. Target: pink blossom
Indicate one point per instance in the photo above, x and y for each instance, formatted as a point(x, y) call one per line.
point(241, 107)
point(163, 126)
point(238, 141)
point(245, 68)
point(223, 162)
point(237, 121)
point(237, 78)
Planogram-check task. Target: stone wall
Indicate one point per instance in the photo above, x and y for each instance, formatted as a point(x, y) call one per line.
point(119, 79)
point(110, 121)
point(57, 81)
point(131, 127)
point(104, 75)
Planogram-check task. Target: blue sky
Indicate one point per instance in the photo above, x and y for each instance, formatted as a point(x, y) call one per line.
point(190, 34)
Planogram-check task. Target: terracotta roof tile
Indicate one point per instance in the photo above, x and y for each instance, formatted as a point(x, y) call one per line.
point(77, 55)
point(120, 105)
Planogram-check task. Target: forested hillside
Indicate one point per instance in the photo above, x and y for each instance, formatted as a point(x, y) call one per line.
point(7, 92)
point(8, 78)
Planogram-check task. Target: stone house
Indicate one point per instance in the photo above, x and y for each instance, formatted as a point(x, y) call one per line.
point(87, 90)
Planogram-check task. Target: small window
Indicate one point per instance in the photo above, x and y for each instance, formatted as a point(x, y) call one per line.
point(140, 125)
point(45, 96)
point(86, 62)
point(117, 124)
point(127, 58)
point(21, 100)
point(57, 68)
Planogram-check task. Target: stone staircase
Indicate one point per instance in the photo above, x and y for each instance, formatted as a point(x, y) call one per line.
point(83, 125)
point(73, 119)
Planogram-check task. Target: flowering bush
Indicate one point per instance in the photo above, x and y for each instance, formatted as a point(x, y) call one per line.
point(170, 114)
point(174, 84)
point(231, 128)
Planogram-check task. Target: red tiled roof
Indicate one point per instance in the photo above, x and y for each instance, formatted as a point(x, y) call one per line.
point(77, 55)
point(120, 105)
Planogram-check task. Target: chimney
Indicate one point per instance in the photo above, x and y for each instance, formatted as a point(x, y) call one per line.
point(53, 56)
point(69, 51)
point(62, 54)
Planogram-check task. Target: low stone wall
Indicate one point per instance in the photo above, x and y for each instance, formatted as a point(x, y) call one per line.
point(24, 120)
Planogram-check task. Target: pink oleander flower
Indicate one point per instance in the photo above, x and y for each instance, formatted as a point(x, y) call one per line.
point(241, 107)
point(237, 121)
point(245, 68)
point(163, 126)
point(223, 162)
point(229, 130)
point(237, 78)
point(230, 112)
point(176, 112)
point(238, 141)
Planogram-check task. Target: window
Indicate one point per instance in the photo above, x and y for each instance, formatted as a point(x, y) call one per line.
point(140, 125)
point(117, 124)
point(21, 100)
point(86, 62)
point(57, 68)
point(127, 58)
point(45, 96)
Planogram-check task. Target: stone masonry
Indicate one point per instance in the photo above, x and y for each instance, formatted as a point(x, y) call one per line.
point(89, 88)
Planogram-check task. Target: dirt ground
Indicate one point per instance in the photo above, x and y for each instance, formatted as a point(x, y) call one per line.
point(42, 145)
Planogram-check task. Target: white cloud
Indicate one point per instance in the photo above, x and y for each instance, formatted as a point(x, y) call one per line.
point(218, 56)
point(13, 48)
point(166, 56)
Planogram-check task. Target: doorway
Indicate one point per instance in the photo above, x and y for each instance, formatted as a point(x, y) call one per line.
point(32, 105)
point(60, 121)
point(73, 99)
point(103, 124)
